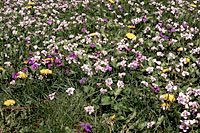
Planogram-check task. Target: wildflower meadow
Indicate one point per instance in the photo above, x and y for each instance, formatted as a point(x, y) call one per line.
point(101, 66)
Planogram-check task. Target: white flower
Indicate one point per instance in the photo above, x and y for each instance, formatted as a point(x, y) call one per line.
point(89, 109)
point(70, 91)
point(109, 82)
point(120, 84)
point(149, 69)
point(121, 75)
point(150, 124)
point(185, 114)
point(184, 73)
point(12, 82)
point(52, 95)
point(103, 90)
point(145, 83)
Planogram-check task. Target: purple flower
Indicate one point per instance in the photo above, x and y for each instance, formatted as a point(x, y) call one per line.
point(108, 68)
point(144, 19)
point(121, 10)
point(166, 38)
point(106, 21)
point(161, 34)
point(88, 128)
point(31, 54)
point(86, 7)
point(160, 24)
point(57, 61)
point(73, 55)
point(34, 66)
point(5, 81)
point(67, 71)
point(14, 76)
point(56, 51)
point(111, 6)
point(83, 80)
point(82, 124)
point(98, 84)
point(83, 30)
point(25, 69)
point(184, 25)
point(50, 21)
point(29, 61)
point(49, 56)
point(173, 30)
point(92, 45)
point(27, 41)
point(156, 89)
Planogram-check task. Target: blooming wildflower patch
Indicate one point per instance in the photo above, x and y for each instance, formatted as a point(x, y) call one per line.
point(121, 65)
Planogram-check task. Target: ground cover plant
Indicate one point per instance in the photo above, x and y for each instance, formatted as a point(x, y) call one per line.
point(99, 66)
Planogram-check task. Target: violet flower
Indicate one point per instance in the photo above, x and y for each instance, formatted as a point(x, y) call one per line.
point(83, 30)
point(34, 66)
point(25, 69)
point(88, 128)
point(92, 45)
point(106, 21)
point(50, 21)
point(67, 71)
point(144, 19)
point(14, 76)
point(121, 10)
point(83, 80)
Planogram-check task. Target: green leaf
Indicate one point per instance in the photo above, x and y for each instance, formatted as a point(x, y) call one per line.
point(105, 100)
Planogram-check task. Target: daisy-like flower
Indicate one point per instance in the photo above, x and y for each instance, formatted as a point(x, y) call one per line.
point(70, 91)
point(9, 102)
point(22, 75)
point(46, 71)
point(130, 36)
point(185, 114)
point(89, 109)
point(52, 96)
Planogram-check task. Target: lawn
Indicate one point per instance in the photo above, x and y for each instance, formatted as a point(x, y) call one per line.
point(102, 66)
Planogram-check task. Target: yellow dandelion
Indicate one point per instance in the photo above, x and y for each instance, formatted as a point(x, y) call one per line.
point(29, 7)
point(111, 1)
point(131, 27)
point(165, 105)
point(187, 60)
point(9, 102)
point(22, 75)
point(31, 3)
point(48, 59)
point(113, 117)
point(93, 34)
point(193, 5)
point(25, 62)
point(1, 68)
point(168, 97)
point(46, 71)
point(130, 35)
point(165, 70)
point(180, 49)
